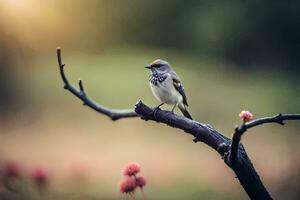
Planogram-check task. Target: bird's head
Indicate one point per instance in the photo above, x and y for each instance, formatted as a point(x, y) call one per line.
point(159, 66)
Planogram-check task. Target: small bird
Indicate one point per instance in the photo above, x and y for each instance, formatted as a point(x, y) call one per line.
point(167, 87)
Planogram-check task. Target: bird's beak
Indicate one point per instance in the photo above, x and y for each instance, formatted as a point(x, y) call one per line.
point(148, 66)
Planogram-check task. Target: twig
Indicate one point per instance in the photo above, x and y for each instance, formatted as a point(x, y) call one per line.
point(239, 131)
point(114, 114)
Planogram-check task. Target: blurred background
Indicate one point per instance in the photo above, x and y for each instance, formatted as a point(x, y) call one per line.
point(231, 56)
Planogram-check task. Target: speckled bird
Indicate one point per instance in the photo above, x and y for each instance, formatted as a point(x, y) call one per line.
point(167, 87)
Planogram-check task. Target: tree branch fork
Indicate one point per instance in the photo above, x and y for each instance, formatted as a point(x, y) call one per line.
point(231, 150)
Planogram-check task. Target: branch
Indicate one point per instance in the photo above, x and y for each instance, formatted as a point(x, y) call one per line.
point(280, 118)
point(239, 131)
point(114, 114)
point(243, 167)
point(201, 132)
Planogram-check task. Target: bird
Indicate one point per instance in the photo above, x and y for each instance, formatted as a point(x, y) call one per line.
point(166, 86)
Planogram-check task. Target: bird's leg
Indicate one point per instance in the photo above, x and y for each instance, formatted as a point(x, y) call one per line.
point(156, 109)
point(159, 106)
point(174, 107)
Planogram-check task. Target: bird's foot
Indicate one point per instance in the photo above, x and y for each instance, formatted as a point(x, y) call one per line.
point(157, 108)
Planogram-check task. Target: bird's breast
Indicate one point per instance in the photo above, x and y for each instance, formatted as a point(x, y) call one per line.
point(164, 90)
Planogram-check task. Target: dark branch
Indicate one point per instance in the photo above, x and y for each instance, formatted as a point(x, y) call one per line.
point(239, 131)
point(114, 114)
point(243, 168)
point(280, 118)
point(242, 165)
point(201, 132)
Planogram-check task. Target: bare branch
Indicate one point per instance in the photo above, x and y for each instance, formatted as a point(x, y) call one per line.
point(114, 114)
point(239, 131)
point(228, 149)
point(280, 118)
point(243, 168)
point(201, 132)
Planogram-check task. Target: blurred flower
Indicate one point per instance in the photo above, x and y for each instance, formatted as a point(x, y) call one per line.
point(140, 181)
point(10, 176)
point(131, 169)
point(246, 115)
point(128, 185)
point(11, 170)
point(40, 176)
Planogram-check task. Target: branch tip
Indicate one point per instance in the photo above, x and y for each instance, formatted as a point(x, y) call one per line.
point(240, 130)
point(113, 114)
point(81, 86)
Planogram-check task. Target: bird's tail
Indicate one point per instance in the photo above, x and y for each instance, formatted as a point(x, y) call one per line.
point(184, 110)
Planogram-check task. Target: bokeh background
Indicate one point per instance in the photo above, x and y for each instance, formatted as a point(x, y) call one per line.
point(231, 56)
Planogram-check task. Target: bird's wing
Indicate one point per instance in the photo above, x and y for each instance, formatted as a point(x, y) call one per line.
point(179, 87)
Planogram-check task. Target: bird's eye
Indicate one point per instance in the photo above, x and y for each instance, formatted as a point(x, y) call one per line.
point(157, 65)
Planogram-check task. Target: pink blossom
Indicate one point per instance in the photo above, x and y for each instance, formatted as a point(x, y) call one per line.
point(40, 176)
point(128, 185)
point(12, 170)
point(246, 115)
point(140, 181)
point(131, 169)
